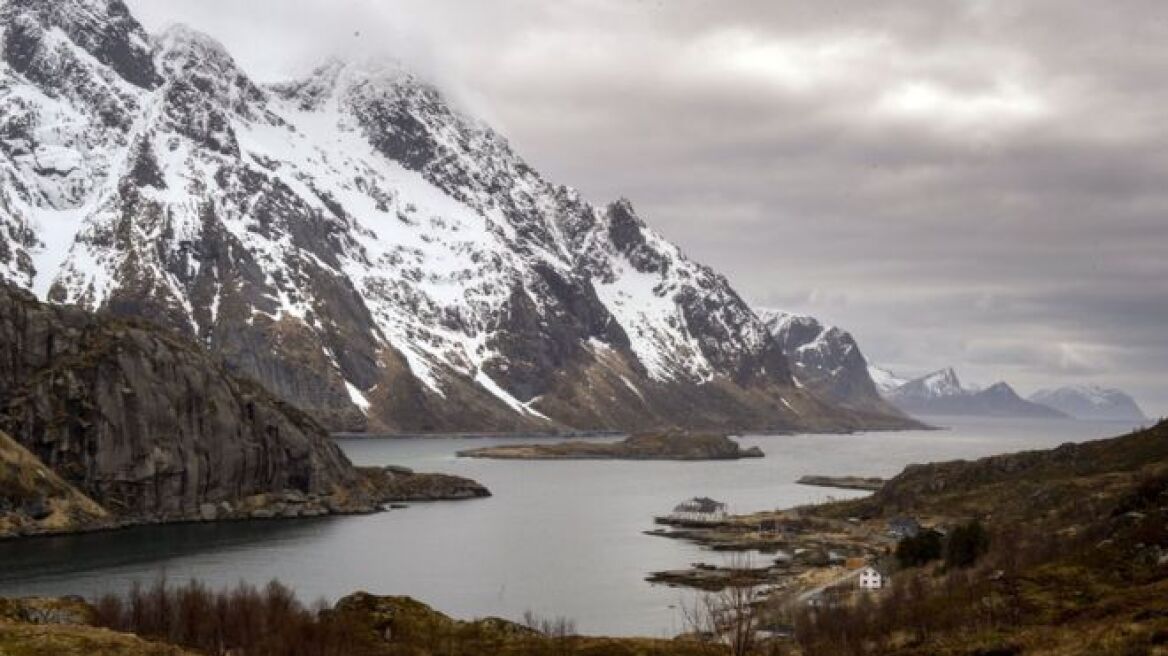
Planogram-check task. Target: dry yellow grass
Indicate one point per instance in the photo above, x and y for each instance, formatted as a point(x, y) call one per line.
point(23, 477)
point(73, 640)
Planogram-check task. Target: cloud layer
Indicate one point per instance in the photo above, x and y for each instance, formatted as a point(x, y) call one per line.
point(977, 182)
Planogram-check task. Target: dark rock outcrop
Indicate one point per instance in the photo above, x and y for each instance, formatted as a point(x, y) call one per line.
point(151, 427)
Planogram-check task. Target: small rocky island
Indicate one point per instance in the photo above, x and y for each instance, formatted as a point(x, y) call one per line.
point(870, 483)
point(645, 446)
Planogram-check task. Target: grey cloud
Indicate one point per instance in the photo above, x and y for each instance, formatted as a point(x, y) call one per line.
point(970, 183)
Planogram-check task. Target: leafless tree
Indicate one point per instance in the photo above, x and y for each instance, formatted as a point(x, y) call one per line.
point(729, 616)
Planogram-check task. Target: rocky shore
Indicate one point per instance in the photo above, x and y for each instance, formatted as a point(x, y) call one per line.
point(645, 446)
point(397, 484)
point(56, 508)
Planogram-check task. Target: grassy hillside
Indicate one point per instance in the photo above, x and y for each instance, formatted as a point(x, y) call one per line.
point(34, 499)
point(1077, 561)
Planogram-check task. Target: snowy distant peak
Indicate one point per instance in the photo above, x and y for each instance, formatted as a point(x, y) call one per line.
point(1091, 402)
point(885, 380)
point(943, 382)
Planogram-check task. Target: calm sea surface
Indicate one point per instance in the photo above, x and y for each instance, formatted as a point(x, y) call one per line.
point(559, 538)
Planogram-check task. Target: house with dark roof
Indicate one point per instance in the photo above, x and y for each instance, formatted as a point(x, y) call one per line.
point(700, 509)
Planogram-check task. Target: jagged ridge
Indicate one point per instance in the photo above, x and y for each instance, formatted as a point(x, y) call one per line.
point(357, 244)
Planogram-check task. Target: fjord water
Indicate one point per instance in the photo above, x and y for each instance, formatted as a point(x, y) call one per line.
point(560, 538)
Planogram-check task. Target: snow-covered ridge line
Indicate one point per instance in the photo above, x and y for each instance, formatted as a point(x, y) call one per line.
point(356, 243)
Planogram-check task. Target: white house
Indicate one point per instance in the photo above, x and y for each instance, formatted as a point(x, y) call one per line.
point(872, 579)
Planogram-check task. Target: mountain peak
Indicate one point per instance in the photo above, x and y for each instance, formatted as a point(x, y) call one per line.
point(825, 359)
point(369, 251)
point(182, 38)
point(943, 382)
point(1000, 388)
point(188, 57)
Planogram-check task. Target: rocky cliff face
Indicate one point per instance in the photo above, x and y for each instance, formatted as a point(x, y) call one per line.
point(357, 244)
point(151, 427)
point(827, 361)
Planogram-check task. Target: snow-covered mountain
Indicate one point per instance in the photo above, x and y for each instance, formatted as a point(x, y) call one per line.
point(825, 360)
point(939, 384)
point(941, 393)
point(885, 380)
point(1091, 402)
point(357, 243)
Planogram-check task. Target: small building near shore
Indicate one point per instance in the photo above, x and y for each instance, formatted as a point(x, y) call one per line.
point(872, 579)
point(700, 509)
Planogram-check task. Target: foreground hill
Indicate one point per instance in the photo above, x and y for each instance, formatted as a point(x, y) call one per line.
point(271, 622)
point(357, 244)
point(1076, 561)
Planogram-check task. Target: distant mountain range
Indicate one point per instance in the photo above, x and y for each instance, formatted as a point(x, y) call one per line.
point(1091, 402)
point(942, 393)
point(828, 361)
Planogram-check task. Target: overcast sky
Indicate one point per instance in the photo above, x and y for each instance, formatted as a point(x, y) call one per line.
point(977, 183)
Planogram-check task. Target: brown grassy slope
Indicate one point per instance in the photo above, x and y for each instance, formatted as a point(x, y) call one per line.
point(1078, 558)
point(64, 627)
point(34, 499)
point(59, 640)
point(1020, 486)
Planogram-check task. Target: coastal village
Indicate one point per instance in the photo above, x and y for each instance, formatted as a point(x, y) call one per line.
point(786, 558)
